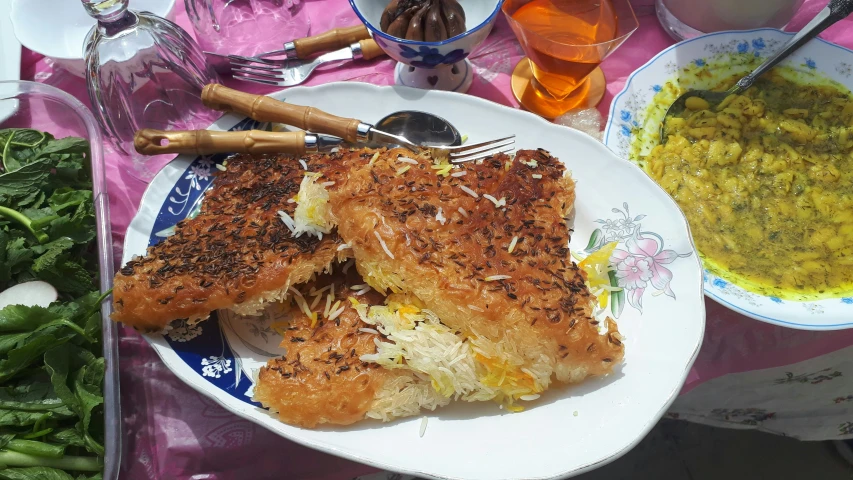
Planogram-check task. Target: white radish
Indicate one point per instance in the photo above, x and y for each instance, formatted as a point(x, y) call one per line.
point(29, 294)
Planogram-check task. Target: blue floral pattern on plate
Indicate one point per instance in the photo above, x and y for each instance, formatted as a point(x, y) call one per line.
point(203, 348)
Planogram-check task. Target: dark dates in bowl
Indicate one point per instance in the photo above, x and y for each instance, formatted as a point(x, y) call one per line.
point(423, 20)
point(431, 39)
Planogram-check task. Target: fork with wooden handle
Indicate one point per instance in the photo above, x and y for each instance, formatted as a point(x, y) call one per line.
point(267, 109)
point(207, 142)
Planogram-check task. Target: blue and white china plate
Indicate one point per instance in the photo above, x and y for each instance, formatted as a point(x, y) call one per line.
point(633, 129)
point(569, 430)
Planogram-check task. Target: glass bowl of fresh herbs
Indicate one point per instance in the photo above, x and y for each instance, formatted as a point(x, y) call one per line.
point(59, 402)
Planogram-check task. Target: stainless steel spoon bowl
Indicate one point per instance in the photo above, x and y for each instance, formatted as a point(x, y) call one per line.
point(835, 11)
point(421, 128)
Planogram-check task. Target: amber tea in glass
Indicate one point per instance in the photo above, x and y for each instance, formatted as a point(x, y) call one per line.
point(565, 42)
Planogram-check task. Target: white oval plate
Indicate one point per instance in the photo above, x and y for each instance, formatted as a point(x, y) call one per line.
point(631, 119)
point(566, 432)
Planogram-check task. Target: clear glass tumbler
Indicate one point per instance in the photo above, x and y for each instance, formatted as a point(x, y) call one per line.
point(247, 27)
point(143, 71)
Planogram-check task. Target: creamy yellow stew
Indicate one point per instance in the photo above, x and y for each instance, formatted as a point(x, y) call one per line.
point(766, 182)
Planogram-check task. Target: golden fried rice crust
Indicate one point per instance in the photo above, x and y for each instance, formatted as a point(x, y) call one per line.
point(236, 254)
point(544, 308)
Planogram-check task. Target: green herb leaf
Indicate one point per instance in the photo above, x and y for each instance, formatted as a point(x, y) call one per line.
point(67, 437)
point(66, 197)
point(25, 181)
point(69, 277)
point(34, 473)
point(19, 318)
point(51, 370)
point(22, 357)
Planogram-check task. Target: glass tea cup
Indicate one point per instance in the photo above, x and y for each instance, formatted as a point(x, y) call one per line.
point(565, 41)
point(247, 27)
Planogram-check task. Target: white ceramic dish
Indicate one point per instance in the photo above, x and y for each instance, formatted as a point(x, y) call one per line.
point(10, 47)
point(707, 59)
point(568, 430)
point(433, 65)
point(58, 29)
point(10, 57)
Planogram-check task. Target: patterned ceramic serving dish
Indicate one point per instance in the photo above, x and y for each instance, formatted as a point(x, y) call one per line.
point(433, 65)
point(633, 129)
point(658, 304)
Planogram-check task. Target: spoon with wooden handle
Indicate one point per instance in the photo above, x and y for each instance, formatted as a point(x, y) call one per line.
point(207, 142)
point(707, 99)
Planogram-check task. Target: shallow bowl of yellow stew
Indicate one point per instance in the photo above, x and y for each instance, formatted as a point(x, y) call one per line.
point(765, 179)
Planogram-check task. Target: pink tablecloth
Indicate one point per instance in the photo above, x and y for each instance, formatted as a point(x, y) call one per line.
point(173, 432)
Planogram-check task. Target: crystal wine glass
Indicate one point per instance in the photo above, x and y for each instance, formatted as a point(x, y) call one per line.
point(143, 71)
point(247, 27)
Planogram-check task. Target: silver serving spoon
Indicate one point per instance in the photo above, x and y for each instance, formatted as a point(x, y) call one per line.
point(421, 128)
point(835, 11)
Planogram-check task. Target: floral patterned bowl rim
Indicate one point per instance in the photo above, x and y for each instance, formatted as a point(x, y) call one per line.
point(633, 118)
point(375, 31)
point(662, 320)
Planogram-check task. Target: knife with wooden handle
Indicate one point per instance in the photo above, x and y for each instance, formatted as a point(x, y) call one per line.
point(208, 142)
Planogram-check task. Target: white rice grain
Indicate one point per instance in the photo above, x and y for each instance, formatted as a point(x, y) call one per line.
point(476, 308)
point(512, 244)
point(440, 217)
point(424, 421)
point(315, 302)
point(458, 174)
point(344, 246)
point(347, 266)
point(384, 246)
point(469, 191)
point(288, 221)
point(528, 398)
point(494, 278)
point(463, 212)
point(221, 167)
point(336, 313)
point(407, 160)
point(536, 176)
point(304, 165)
point(363, 291)
point(369, 330)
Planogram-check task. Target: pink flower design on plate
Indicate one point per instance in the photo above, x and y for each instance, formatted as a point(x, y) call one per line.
point(643, 264)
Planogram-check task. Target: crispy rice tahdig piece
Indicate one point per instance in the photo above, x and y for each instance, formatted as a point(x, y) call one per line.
point(321, 380)
point(236, 254)
point(486, 250)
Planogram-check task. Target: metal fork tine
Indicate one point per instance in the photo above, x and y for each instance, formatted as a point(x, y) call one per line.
point(263, 68)
point(256, 80)
point(480, 155)
point(260, 61)
point(465, 148)
point(262, 75)
point(482, 147)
